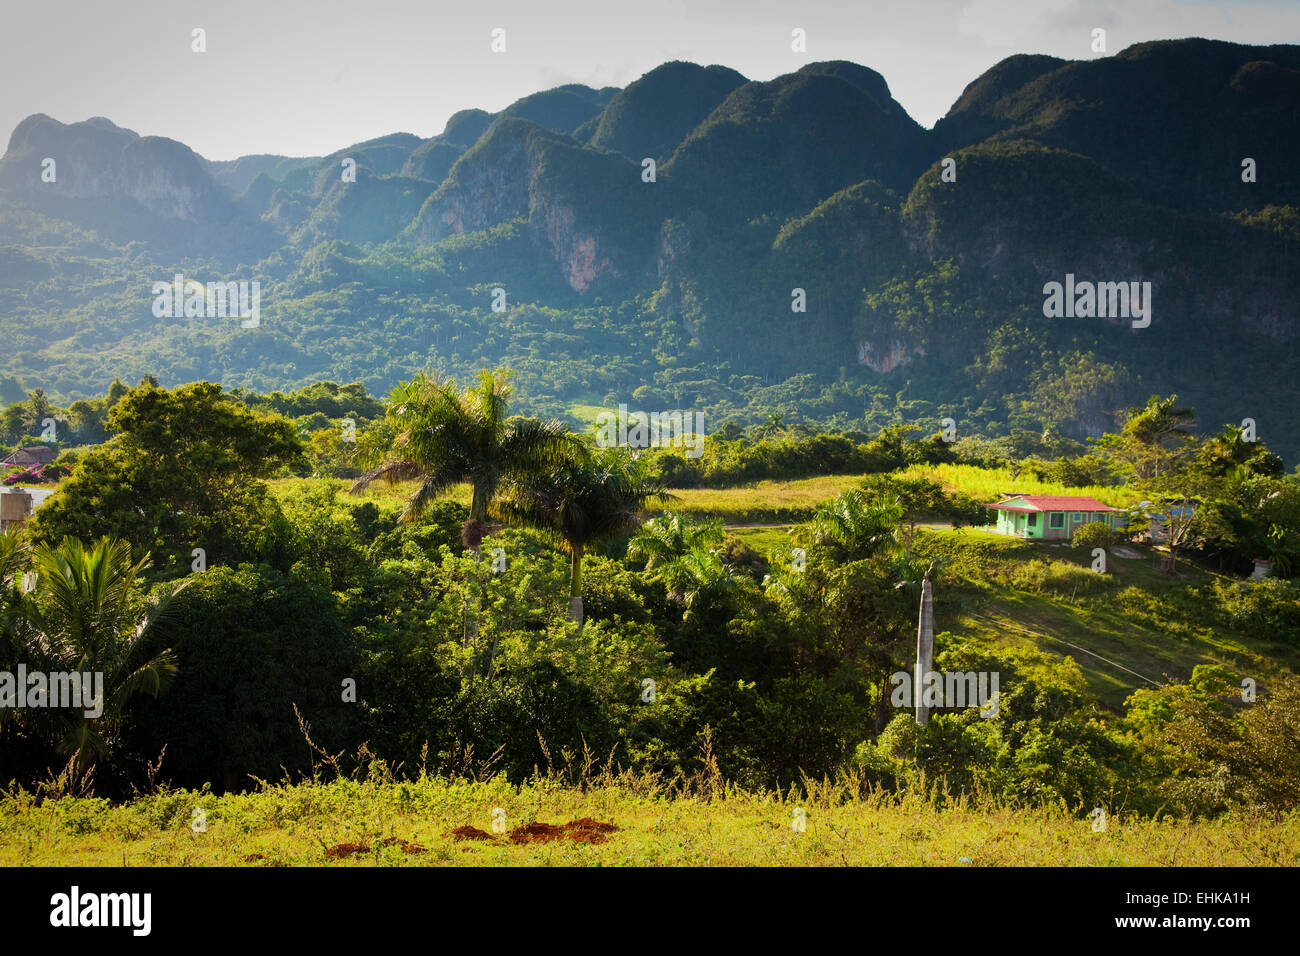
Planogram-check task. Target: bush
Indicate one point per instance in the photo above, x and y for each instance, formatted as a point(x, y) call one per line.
point(1267, 609)
point(251, 643)
point(737, 554)
point(36, 475)
point(1094, 534)
point(1057, 577)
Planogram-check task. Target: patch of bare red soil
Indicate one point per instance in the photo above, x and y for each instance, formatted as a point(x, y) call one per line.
point(587, 823)
point(584, 830)
point(344, 850)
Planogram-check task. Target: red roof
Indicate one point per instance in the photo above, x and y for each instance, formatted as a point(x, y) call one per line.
point(1051, 503)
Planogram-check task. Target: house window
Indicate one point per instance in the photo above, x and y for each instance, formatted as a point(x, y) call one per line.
point(1033, 521)
point(1078, 516)
point(1056, 519)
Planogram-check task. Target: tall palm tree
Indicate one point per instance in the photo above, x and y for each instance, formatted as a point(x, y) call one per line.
point(1150, 430)
point(445, 435)
point(83, 616)
point(584, 500)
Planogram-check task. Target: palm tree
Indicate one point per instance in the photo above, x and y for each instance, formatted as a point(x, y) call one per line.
point(83, 616)
point(1151, 429)
point(772, 427)
point(584, 500)
point(13, 555)
point(663, 540)
point(701, 573)
point(444, 436)
point(854, 526)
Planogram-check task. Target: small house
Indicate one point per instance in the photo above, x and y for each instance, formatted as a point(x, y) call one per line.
point(31, 455)
point(1051, 517)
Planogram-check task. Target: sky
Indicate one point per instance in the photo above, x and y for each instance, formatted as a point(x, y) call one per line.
point(308, 78)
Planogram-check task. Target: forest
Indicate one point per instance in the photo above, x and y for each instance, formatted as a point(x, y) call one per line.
point(462, 590)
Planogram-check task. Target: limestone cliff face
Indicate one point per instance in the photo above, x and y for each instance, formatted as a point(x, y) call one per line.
point(519, 170)
point(488, 185)
point(98, 160)
point(167, 178)
point(575, 249)
point(575, 241)
point(887, 355)
point(677, 241)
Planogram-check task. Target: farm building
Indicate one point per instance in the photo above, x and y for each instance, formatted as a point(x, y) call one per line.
point(1051, 517)
point(31, 455)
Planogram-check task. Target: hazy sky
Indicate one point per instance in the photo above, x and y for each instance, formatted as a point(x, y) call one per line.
point(306, 78)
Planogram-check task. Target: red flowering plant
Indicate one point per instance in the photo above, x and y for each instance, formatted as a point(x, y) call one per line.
point(36, 475)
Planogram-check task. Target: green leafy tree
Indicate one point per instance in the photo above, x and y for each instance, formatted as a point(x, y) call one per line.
point(181, 472)
point(585, 500)
point(444, 435)
point(917, 498)
point(1154, 438)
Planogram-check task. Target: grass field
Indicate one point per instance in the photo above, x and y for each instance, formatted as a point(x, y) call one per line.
point(348, 823)
point(986, 484)
point(763, 502)
point(782, 502)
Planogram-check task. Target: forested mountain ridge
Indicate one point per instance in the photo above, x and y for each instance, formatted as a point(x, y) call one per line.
point(922, 294)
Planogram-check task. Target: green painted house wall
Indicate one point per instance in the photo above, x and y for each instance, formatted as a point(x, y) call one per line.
point(1049, 525)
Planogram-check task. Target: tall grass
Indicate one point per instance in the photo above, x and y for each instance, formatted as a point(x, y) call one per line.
point(378, 820)
point(986, 484)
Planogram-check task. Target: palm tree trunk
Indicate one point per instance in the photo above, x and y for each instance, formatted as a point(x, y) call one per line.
point(575, 584)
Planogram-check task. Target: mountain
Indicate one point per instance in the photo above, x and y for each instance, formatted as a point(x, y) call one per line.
point(97, 165)
point(564, 109)
point(433, 159)
point(1174, 118)
point(652, 115)
point(780, 147)
point(804, 248)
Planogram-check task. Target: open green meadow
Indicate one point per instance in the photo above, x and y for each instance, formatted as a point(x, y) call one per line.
point(621, 822)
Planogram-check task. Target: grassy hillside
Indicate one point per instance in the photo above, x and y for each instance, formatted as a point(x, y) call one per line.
point(1040, 600)
point(619, 823)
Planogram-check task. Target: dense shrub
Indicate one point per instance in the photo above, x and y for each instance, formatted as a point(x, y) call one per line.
point(1062, 578)
point(1267, 609)
point(251, 644)
point(1094, 534)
